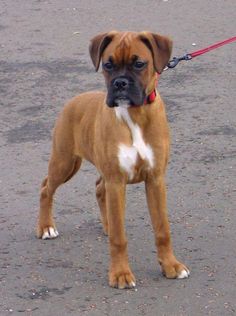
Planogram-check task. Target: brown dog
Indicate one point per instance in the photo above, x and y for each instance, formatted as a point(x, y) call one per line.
point(124, 133)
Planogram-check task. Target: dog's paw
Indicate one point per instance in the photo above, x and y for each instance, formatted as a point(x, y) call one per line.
point(47, 233)
point(50, 233)
point(185, 273)
point(122, 280)
point(174, 270)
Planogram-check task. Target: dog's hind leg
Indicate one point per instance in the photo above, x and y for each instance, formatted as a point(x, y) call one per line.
point(59, 171)
point(101, 198)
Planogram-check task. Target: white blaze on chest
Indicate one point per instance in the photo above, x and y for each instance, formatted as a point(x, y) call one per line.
point(128, 154)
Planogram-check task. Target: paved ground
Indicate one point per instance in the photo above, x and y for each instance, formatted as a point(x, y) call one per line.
point(43, 62)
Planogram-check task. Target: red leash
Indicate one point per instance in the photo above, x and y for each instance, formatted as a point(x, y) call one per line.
point(205, 50)
point(174, 62)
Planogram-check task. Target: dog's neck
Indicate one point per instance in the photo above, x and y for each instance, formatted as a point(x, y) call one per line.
point(139, 115)
point(133, 116)
point(152, 95)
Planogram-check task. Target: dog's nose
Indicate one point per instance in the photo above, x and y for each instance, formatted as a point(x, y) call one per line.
point(121, 83)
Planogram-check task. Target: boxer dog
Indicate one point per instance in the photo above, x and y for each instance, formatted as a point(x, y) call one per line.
point(124, 133)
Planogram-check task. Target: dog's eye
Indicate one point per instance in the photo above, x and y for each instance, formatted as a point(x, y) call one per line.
point(139, 65)
point(108, 66)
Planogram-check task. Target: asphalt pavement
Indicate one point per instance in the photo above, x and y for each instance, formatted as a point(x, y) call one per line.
point(44, 62)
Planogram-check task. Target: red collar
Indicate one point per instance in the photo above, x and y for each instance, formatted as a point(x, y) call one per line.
point(152, 96)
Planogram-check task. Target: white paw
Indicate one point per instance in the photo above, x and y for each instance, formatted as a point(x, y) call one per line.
point(184, 274)
point(50, 233)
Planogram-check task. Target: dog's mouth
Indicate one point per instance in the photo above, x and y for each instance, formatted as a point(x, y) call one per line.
point(123, 102)
point(118, 101)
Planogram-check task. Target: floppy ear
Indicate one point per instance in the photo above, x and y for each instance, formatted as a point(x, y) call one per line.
point(160, 47)
point(98, 45)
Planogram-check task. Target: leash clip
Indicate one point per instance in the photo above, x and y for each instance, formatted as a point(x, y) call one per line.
point(174, 62)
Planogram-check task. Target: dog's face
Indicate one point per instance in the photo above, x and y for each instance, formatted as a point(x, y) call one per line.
point(130, 62)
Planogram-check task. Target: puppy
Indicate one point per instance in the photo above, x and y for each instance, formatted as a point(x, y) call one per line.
point(124, 133)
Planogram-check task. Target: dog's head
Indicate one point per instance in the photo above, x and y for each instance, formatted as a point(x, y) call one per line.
point(130, 62)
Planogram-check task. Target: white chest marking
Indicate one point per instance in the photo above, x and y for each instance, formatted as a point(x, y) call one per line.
point(128, 154)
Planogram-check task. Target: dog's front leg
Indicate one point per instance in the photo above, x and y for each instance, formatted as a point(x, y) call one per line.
point(120, 275)
point(156, 198)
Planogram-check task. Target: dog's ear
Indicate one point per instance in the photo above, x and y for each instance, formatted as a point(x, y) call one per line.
point(160, 47)
point(98, 45)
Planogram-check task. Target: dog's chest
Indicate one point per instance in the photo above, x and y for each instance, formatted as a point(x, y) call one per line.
point(129, 156)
